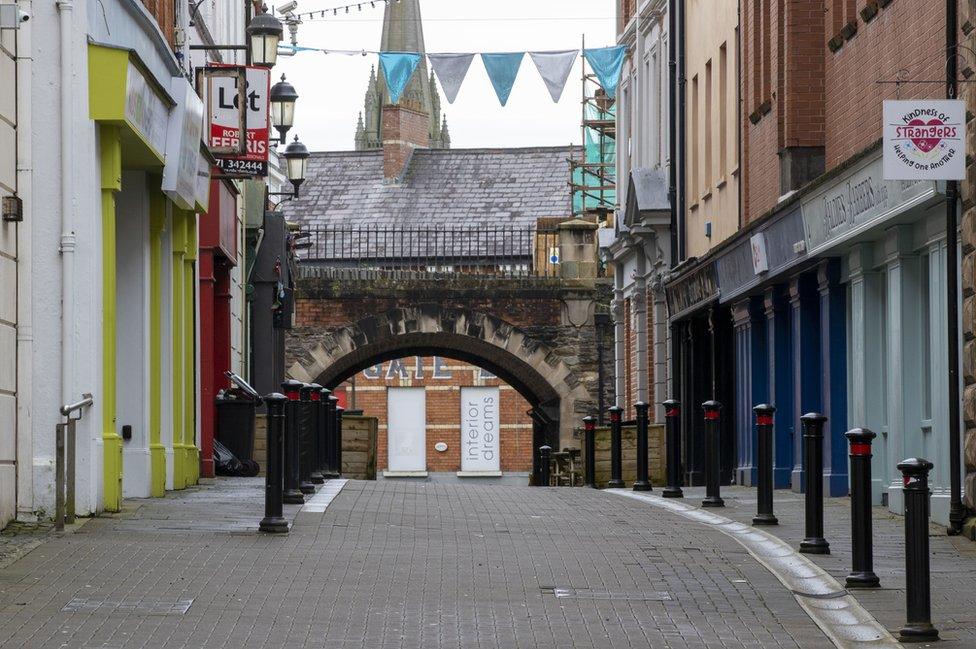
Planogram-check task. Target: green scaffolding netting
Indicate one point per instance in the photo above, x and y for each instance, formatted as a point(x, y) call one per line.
point(598, 148)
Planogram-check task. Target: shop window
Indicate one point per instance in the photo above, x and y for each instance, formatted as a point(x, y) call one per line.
point(925, 337)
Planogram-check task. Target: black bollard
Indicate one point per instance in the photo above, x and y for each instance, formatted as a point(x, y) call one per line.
point(330, 471)
point(589, 450)
point(274, 520)
point(338, 439)
point(323, 432)
point(813, 425)
point(641, 483)
point(862, 537)
point(672, 413)
point(545, 453)
point(315, 472)
point(305, 440)
point(713, 420)
point(292, 495)
point(616, 468)
point(915, 475)
point(764, 496)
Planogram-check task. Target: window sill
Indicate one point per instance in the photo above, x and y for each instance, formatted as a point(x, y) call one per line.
point(722, 182)
point(735, 171)
point(693, 207)
point(707, 195)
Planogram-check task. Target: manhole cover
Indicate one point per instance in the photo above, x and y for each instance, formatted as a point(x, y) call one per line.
point(145, 606)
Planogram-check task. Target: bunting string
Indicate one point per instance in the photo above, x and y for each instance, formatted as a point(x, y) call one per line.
point(554, 66)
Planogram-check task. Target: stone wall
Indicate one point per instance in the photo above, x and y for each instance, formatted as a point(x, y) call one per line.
point(967, 19)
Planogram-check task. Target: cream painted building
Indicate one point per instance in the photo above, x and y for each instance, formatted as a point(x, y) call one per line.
point(711, 95)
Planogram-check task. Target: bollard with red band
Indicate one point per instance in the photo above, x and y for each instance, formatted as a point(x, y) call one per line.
point(315, 473)
point(589, 449)
point(814, 542)
point(292, 495)
point(331, 471)
point(918, 596)
point(862, 537)
point(305, 440)
point(641, 483)
point(713, 415)
point(274, 520)
point(764, 491)
point(672, 442)
point(323, 431)
point(616, 467)
point(338, 439)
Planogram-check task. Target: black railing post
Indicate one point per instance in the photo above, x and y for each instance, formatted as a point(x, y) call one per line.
point(338, 440)
point(862, 536)
point(305, 440)
point(764, 492)
point(274, 520)
point(315, 469)
point(641, 483)
point(813, 425)
point(616, 460)
point(713, 414)
point(292, 495)
point(545, 457)
point(589, 448)
point(672, 440)
point(330, 434)
point(915, 477)
point(323, 427)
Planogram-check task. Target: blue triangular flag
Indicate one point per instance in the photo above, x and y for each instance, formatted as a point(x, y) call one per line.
point(606, 63)
point(502, 70)
point(398, 67)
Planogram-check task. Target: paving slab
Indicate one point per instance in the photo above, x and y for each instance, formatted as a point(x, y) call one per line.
point(397, 564)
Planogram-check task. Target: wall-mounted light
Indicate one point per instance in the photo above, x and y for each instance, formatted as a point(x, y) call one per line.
point(283, 97)
point(264, 32)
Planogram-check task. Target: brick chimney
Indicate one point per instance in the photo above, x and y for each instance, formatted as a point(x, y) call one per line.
point(403, 131)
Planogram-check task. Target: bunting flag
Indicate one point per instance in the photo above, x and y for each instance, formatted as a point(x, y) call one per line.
point(554, 68)
point(606, 63)
point(450, 70)
point(398, 67)
point(502, 69)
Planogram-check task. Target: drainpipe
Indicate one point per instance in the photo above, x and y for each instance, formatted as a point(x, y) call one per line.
point(65, 13)
point(25, 320)
point(672, 129)
point(680, 154)
point(957, 512)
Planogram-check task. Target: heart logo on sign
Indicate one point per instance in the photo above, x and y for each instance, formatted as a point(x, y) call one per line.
point(926, 144)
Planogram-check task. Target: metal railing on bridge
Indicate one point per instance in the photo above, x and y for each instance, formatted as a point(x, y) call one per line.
point(492, 252)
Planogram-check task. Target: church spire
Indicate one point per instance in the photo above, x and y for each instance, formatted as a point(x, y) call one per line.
point(403, 31)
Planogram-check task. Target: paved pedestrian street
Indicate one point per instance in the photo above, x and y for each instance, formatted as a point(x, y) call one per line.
point(397, 564)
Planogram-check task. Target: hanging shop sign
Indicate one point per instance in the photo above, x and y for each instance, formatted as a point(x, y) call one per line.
point(234, 108)
point(925, 139)
point(859, 200)
point(183, 156)
point(145, 110)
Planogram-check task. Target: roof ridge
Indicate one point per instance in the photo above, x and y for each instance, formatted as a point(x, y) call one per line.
point(498, 149)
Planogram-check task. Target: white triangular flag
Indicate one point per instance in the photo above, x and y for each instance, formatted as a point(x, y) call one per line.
point(450, 70)
point(554, 67)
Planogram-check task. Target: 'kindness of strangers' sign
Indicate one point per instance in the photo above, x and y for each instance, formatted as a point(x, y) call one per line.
point(925, 140)
point(480, 448)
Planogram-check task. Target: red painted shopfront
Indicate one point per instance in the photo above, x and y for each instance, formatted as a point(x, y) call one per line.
point(218, 255)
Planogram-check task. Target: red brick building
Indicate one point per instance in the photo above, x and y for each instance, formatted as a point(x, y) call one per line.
point(444, 386)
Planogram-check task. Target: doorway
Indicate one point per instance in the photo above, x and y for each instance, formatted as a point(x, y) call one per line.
point(407, 431)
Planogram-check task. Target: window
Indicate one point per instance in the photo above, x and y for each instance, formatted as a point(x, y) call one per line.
point(925, 335)
point(723, 111)
point(708, 126)
point(664, 97)
point(694, 140)
point(756, 63)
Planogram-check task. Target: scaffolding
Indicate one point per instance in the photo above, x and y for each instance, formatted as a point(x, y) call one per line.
point(594, 173)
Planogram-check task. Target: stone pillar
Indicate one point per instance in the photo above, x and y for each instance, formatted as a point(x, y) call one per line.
point(967, 18)
point(780, 381)
point(866, 391)
point(578, 249)
point(639, 300)
point(660, 353)
point(833, 361)
point(619, 341)
point(805, 318)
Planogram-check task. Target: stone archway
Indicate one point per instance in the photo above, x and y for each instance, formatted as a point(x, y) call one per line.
point(536, 369)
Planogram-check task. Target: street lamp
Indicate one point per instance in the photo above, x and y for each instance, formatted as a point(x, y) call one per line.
point(296, 157)
point(283, 97)
point(264, 32)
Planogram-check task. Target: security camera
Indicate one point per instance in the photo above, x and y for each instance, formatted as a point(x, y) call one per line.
point(288, 7)
point(22, 16)
point(11, 16)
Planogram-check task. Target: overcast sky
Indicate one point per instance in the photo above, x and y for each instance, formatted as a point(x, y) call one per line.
point(332, 87)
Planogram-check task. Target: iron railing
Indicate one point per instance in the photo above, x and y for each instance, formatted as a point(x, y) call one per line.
point(496, 251)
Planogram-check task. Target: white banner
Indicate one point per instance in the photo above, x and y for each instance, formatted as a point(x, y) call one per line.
point(925, 139)
point(480, 448)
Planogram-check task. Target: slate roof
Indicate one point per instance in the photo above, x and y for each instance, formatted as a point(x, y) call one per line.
point(443, 188)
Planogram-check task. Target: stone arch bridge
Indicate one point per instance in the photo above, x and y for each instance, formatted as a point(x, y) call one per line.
point(539, 334)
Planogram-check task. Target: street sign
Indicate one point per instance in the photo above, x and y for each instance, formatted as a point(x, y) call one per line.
point(233, 108)
point(925, 139)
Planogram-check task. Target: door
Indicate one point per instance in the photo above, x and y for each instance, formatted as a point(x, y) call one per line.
point(480, 448)
point(406, 417)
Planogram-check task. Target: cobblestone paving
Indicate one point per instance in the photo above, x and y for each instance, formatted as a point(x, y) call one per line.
point(396, 564)
point(953, 559)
